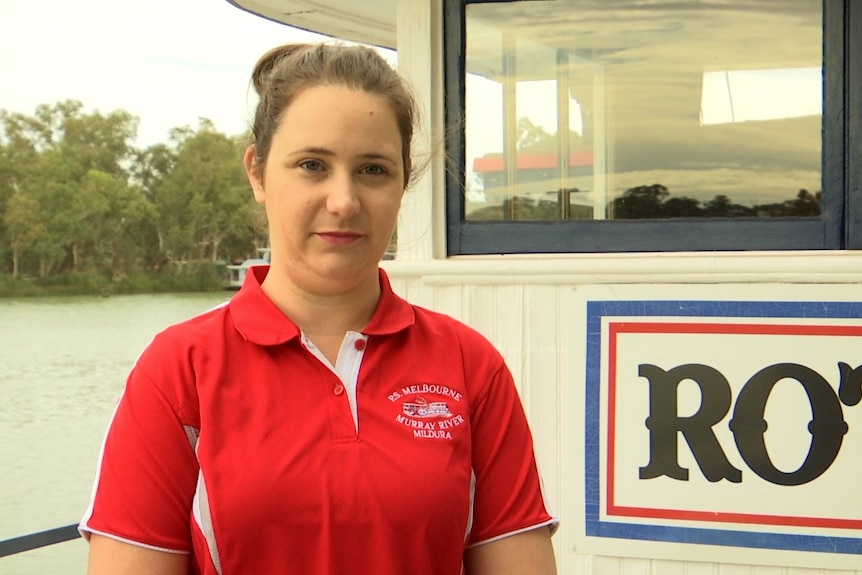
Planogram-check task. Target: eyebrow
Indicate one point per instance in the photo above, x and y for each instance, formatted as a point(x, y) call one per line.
point(328, 152)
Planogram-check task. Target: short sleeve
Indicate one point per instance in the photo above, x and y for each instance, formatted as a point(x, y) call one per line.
point(508, 491)
point(147, 472)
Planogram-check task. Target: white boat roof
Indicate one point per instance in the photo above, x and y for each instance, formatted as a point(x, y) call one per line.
point(366, 21)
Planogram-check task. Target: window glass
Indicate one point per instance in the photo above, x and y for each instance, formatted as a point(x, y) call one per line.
point(592, 110)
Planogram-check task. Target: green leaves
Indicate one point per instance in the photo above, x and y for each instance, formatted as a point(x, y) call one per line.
point(76, 196)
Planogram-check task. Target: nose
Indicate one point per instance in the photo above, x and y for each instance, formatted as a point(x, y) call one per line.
point(342, 197)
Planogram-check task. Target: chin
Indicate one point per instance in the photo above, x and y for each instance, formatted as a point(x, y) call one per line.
point(344, 269)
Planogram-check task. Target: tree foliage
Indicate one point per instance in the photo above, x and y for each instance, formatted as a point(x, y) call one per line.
point(534, 138)
point(77, 197)
point(655, 201)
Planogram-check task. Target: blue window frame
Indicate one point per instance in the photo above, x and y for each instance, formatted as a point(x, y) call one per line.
point(838, 225)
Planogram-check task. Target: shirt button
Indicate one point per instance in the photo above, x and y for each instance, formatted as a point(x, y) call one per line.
point(359, 344)
point(338, 389)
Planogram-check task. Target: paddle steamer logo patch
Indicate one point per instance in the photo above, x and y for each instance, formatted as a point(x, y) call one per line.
point(427, 410)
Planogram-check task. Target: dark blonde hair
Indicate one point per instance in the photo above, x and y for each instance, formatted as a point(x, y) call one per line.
point(283, 72)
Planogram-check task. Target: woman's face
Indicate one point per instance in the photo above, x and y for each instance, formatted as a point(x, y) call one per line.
point(331, 187)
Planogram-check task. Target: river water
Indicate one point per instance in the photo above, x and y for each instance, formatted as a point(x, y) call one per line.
point(63, 363)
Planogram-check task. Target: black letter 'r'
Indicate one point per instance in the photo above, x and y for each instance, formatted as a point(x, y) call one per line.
point(664, 423)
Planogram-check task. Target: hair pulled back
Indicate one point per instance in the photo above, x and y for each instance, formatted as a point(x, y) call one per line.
point(283, 72)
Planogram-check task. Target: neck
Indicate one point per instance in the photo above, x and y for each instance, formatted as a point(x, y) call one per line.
point(327, 314)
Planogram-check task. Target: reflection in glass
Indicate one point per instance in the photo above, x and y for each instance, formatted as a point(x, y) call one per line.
point(608, 109)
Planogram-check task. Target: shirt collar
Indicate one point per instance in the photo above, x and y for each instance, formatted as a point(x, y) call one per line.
point(259, 321)
point(393, 313)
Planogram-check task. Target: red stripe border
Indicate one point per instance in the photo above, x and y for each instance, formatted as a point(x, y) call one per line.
point(617, 328)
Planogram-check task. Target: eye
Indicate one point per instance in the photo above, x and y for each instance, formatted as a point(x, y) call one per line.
point(311, 165)
point(373, 169)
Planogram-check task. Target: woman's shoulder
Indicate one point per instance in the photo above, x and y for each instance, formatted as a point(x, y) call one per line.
point(449, 330)
point(196, 328)
point(183, 340)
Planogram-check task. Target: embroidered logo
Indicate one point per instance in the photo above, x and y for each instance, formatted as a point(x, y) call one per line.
point(421, 408)
point(426, 409)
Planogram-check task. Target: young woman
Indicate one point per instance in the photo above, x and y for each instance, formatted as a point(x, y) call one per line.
point(318, 423)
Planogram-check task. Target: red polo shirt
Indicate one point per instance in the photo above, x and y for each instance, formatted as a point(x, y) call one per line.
point(236, 441)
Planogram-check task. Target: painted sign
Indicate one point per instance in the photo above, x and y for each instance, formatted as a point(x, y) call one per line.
point(725, 423)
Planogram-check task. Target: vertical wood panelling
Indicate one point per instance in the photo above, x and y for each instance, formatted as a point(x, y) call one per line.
point(736, 570)
point(400, 286)
point(693, 568)
point(583, 564)
point(542, 383)
point(508, 333)
point(607, 565)
point(414, 290)
point(670, 568)
point(570, 508)
point(629, 566)
point(447, 299)
point(479, 309)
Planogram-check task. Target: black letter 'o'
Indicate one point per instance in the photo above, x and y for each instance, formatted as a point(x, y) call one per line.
point(827, 426)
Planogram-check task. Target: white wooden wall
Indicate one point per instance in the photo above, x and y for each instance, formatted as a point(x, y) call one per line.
point(533, 310)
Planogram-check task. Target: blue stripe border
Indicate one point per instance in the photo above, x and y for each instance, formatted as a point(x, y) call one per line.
point(596, 310)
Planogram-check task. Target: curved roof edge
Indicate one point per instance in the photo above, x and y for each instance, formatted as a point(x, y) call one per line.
point(366, 21)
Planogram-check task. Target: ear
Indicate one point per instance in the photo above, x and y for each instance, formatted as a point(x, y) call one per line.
point(255, 174)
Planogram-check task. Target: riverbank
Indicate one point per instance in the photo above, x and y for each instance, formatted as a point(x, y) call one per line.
point(202, 279)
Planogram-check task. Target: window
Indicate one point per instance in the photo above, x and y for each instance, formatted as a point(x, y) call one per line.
point(622, 125)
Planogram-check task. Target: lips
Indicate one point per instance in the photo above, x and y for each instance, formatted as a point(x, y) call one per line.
point(340, 238)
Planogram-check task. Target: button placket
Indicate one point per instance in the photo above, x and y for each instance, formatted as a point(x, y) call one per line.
point(342, 424)
point(346, 372)
point(348, 365)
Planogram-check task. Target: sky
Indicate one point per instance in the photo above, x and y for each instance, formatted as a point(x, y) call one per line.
point(168, 62)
